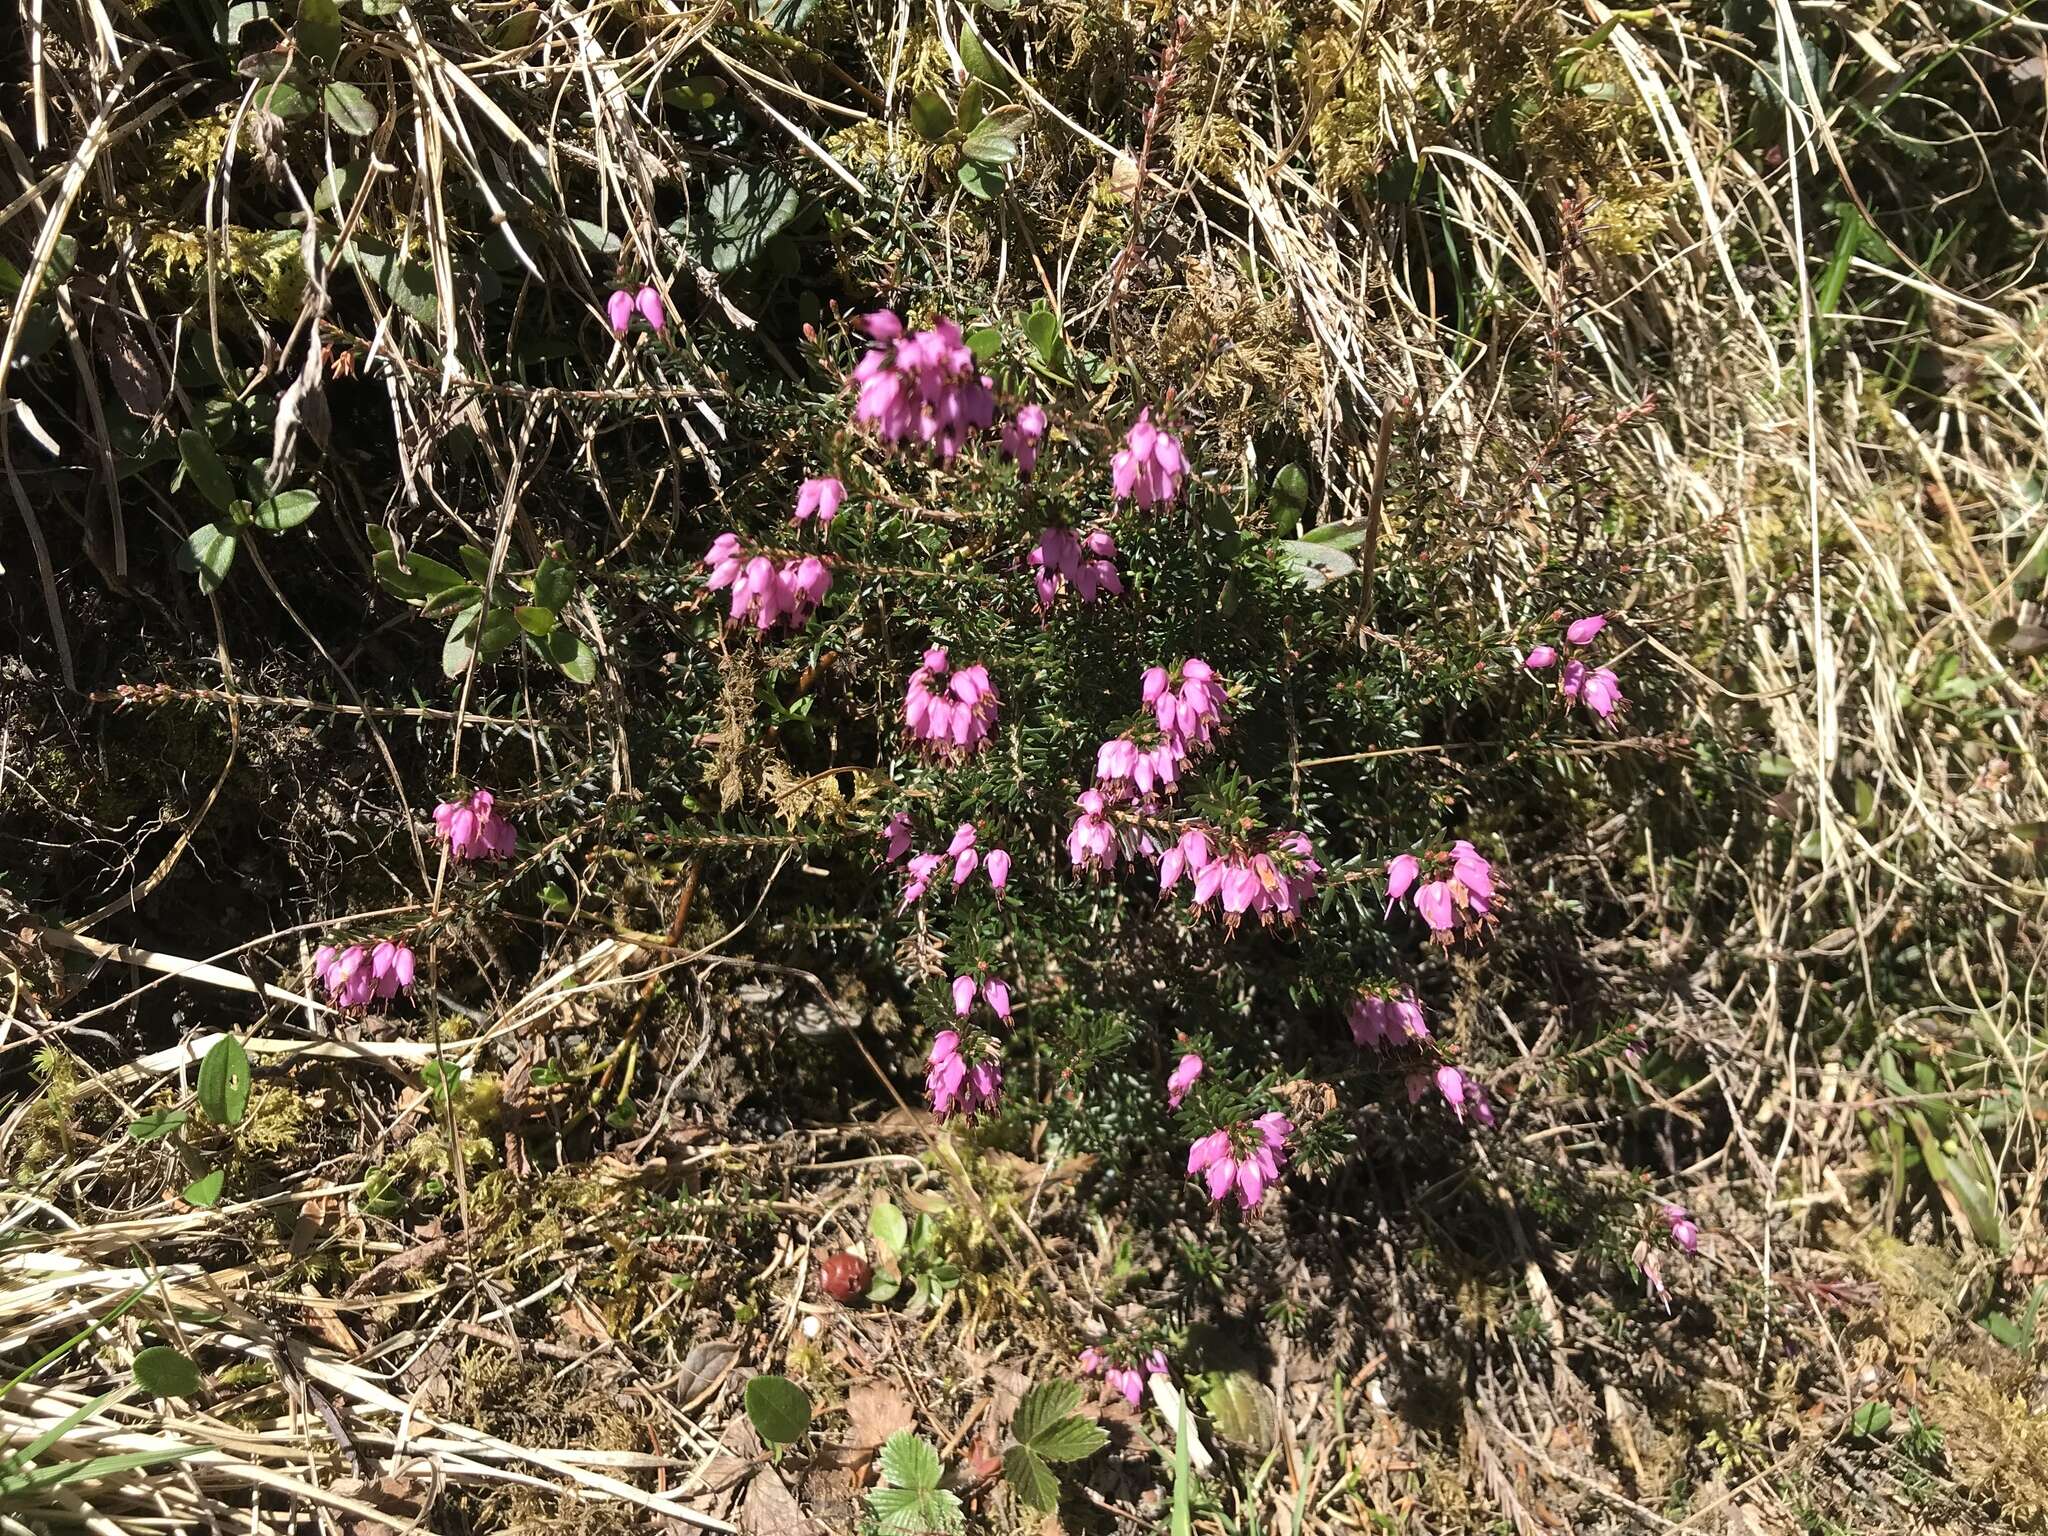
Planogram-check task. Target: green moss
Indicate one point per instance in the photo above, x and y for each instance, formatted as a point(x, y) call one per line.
point(44, 1137)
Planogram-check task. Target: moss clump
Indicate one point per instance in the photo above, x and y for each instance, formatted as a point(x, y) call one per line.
point(44, 1137)
point(1996, 1440)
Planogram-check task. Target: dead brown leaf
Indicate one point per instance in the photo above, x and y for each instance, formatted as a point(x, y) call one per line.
point(703, 1368)
point(770, 1509)
point(875, 1410)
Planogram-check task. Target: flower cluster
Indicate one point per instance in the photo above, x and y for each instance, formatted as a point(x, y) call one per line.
point(1461, 1093)
point(961, 859)
point(992, 990)
point(1124, 1378)
point(767, 591)
point(1275, 881)
point(1124, 769)
point(473, 829)
point(923, 385)
point(1022, 434)
point(821, 497)
point(355, 977)
point(1685, 1237)
point(1091, 842)
point(949, 709)
point(1456, 890)
point(1150, 466)
point(1085, 564)
point(1245, 1157)
point(955, 1085)
point(1182, 1078)
point(1597, 688)
point(643, 301)
point(1187, 702)
point(1386, 1022)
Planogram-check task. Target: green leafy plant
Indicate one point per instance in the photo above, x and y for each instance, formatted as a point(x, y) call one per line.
point(2022, 1334)
point(977, 141)
point(482, 631)
point(909, 1501)
point(209, 552)
point(1046, 1431)
point(908, 1257)
point(223, 1097)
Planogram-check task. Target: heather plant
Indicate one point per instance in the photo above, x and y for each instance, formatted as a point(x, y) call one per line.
point(841, 753)
point(1109, 734)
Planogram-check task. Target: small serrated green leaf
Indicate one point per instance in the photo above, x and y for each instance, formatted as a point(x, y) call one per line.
point(1071, 1439)
point(1042, 1407)
point(910, 1461)
point(985, 182)
point(224, 1082)
point(779, 1409)
point(984, 341)
point(973, 104)
point(204, 1191)
point(162, 1371)
point(1031, 1478)
point(553, 584)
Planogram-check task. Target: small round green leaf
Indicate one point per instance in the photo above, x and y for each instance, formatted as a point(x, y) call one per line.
point(997, 137)
point(162, 1371)
point(931, 116)
point(204, 1191)
point(350, 109)
point(1288, 500)
point(779, 1408)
